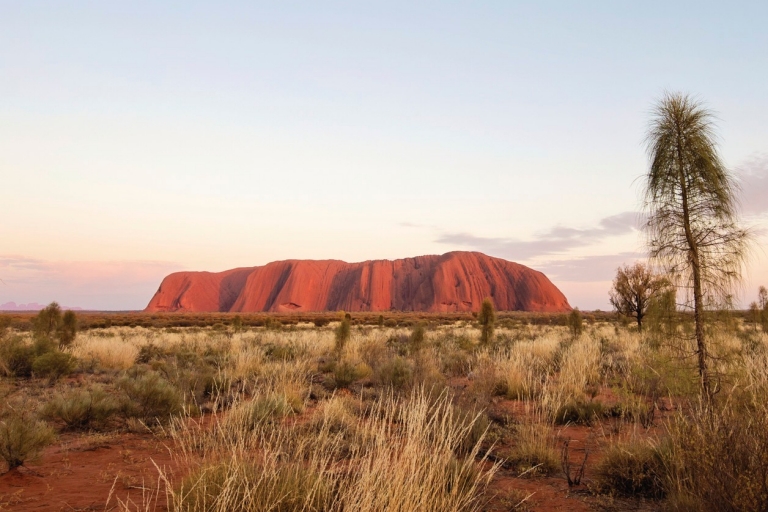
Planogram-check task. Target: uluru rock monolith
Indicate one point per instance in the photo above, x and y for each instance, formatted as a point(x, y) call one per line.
point(452, 282)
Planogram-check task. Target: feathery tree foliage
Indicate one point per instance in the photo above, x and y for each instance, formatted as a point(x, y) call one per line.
point(634, 289)
point(690, 198)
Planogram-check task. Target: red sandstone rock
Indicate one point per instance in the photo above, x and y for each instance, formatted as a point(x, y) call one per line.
point(456, 281)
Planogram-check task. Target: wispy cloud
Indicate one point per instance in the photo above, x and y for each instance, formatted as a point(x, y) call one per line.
point(557, 240)
point(590, 268)
point(88, 284)
point(753, 177)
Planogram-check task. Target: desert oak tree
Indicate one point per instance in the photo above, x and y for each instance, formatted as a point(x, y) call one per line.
point(690, 197)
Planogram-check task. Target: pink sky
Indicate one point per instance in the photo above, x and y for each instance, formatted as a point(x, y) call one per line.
point(143, 138)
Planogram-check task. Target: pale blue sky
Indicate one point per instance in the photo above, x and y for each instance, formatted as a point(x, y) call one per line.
point(137, 138)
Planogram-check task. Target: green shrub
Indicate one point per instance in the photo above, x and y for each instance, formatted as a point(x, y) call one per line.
point(660, 374)
point(82, 408)
point(67, 331)
point(416, 339)
point(345, 373)
point(54, 365)
point(48, 320)
point(321, 322)
point(43, 345)
point(455, 363)
point(148, 353)
point(50, 323)
point(396, 373)
point(579, 412)
point(150, 397)
point(575, 322)
point(632, 469)
point(22, 438)
point(633, 408)
point(486, 318)
point(341, 337)
point(17, 357)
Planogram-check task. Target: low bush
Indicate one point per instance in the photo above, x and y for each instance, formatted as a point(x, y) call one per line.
point(345, 373)
point(575, 322)
point(341, 336)
point(579, 412)
point(22, 438)
point(634, 409)
point(53, 365)
point(396, 373)
point(150, 397)
point(632, 469)
point(50, 323)
point(68, 329)
point(486, 318)
point(40, 358)
point(321, 322)
point(82, 408)
point(416, 339)
point(148, 353)
point(659, 373)
point(17, 357)
point(456, 363)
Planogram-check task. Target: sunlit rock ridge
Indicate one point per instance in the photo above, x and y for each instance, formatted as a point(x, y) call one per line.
point(452, 282)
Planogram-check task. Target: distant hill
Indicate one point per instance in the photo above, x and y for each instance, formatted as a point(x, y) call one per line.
point(32, 306)
point(456, 281)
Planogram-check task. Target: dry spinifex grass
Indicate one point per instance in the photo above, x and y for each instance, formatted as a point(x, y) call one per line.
point(399, 454)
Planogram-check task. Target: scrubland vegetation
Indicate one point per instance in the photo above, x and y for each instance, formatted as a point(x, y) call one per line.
point(451, 415)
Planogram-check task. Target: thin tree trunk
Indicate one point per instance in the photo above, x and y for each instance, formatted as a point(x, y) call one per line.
point(701, 346)
point(698, 299)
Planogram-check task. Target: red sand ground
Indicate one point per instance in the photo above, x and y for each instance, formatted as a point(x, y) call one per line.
point(80, 470)
point(456, 281)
